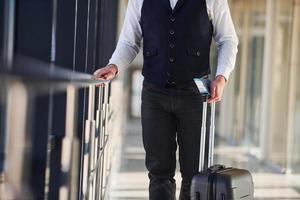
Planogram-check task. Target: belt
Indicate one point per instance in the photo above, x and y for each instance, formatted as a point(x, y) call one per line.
point(172, 83)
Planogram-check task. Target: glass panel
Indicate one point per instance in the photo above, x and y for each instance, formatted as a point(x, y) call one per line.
point(277, 147)
point(296, 61)
point(253, 91)
point(246, 89)
point(249, 18)
point(254, 73)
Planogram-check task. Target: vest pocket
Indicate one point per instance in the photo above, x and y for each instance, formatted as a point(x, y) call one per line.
point(150, 52)
point(194, 52)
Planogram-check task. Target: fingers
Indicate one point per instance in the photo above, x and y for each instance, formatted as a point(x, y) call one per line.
point(100, 73)
point(212, 93)
point(109, 76)
point(104, 74)
point(216, 93)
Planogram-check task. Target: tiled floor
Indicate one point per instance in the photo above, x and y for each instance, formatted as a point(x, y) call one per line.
point(130, 181)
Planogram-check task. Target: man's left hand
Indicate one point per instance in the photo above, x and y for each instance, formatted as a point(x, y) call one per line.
point(216, 89)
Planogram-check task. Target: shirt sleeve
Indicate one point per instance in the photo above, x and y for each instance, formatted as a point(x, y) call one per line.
point(225, 37)
point(129, 42)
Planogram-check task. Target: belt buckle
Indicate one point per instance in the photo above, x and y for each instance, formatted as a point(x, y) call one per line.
point(170, 83)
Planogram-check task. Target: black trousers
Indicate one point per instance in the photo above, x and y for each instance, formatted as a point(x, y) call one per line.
point(171, 117)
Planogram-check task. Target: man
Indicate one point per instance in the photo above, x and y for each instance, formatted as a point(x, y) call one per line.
point(176, 37)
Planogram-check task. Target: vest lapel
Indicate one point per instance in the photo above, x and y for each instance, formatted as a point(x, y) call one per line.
point(179, 4)
point(167, 4)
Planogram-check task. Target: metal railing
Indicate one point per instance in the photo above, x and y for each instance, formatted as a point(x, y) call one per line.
point(84, 161)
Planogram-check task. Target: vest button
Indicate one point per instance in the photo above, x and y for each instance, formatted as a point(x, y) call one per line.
point(171, 59)
point(172, 45)
point(172, 19)
point(198, 53)
point(172, 32)
point(147, 53)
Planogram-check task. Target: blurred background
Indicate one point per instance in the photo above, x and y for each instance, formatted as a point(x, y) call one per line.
point(63, 138)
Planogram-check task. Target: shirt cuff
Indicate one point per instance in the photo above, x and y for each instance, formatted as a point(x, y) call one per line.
point(224, 71)
point(119, 65)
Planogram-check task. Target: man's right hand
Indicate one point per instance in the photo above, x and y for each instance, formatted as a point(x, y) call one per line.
point(106, 73)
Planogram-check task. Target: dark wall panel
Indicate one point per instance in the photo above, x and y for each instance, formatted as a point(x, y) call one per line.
point(92, 34)
point(33, 33)
point(64, 56)
point(106, 39)
point(65, 33)
point(1, 26)
point(39, 146)
point(81, 34)
point(57, 134)
point(82, 61)
point(33, 28)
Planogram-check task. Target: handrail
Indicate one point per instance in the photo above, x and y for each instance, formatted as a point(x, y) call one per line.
point(27, 74)
point(31, 69)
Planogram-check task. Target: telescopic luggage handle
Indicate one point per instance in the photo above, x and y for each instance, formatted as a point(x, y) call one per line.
point(203, 86)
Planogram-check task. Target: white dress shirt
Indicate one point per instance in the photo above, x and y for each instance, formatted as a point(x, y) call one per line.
point(129, 42)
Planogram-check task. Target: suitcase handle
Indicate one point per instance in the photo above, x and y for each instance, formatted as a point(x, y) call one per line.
point(204, 87)
point(202, 166)
point(212, 135)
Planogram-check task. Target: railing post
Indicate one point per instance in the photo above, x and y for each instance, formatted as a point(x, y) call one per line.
point(104, 138)
point(70, 149)
point(101, 121)
point(95, 139)
point(18, 145)
point(88, 138)
point(100, 115)
point(97, 144)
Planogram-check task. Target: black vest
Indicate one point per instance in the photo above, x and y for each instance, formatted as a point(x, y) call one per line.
point(176, 42)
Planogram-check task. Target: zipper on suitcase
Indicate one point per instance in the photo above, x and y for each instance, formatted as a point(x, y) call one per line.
point(212, 181)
